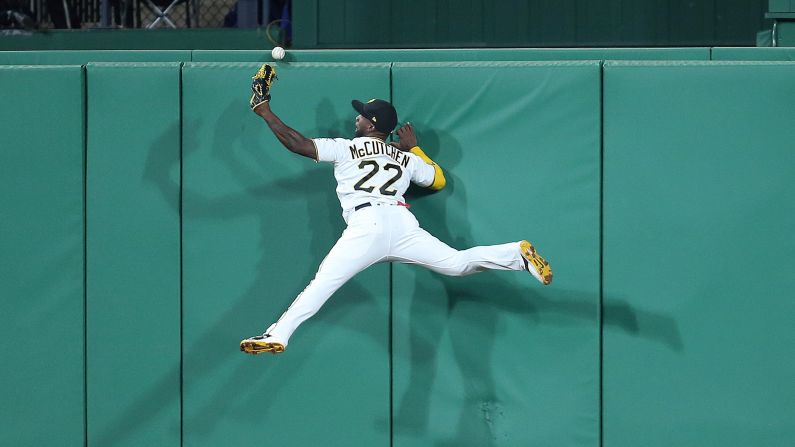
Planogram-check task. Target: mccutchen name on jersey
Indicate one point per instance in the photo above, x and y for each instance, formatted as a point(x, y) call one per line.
point(375, 147)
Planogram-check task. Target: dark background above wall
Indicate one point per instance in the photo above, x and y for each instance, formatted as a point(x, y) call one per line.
point(448, 24)
point(526, 23)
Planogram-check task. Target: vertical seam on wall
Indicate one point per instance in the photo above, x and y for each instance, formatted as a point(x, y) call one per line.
point(391, 305)
point(181, 280)
point(391, 364)
point(84, 75)
point(601, 248)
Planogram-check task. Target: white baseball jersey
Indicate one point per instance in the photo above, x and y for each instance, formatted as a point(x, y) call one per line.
point(369, 170)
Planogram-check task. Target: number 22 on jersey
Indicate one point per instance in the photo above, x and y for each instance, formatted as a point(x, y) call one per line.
point(373, 168)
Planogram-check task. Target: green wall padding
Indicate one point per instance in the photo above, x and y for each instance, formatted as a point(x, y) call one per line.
point(465, 54)
point(697, 272)
point(753, 54)
point(496, 359)
point(41, 267)
point(698, 207)
point(257, 222)
point(84, 57)
point(133, 254)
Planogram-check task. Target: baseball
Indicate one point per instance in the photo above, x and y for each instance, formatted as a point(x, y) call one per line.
point(277, 53)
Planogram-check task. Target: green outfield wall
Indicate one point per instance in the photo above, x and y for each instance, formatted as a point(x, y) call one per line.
point(42, 288)
point(476, 359)
point(456, 55)
point(151, 221)
point(698, 203)
point(753, 54)
point(133, 254)
point(82, 57)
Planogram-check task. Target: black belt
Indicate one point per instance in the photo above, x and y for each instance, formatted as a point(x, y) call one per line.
point(363, 205)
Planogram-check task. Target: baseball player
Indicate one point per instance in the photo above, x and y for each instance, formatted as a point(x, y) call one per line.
point(372, 176)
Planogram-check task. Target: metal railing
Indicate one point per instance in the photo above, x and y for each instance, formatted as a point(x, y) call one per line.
point(76, 14)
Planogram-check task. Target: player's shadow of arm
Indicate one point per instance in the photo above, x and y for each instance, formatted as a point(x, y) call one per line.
point(244, 158)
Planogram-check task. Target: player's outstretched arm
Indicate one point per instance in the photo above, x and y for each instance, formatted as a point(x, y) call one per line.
point(408, 143)
point(261, 84)
point(289, 137)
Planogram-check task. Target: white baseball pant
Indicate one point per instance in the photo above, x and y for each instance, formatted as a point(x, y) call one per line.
point(383, 233)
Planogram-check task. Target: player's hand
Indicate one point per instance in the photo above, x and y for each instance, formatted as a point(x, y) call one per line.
point(261, 86)
point(407, 138)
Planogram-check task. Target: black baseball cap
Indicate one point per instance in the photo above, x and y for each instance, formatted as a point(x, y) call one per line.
point(381, 113)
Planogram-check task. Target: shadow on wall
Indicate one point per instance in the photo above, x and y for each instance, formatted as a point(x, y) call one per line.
point(329, 125)
point(313, 188)
point(658, 327)
point(468, 314)
point(412, 414)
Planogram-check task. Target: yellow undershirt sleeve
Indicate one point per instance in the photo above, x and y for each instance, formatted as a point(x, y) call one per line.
point(438, 176)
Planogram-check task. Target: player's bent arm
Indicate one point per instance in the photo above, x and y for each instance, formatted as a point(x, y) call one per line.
point(438, 175)
point(289, 137)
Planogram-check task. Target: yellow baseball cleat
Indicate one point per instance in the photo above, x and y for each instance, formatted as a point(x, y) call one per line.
point(261, 343)
point(535, 264)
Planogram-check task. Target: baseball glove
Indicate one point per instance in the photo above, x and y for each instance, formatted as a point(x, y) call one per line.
point(261, 85)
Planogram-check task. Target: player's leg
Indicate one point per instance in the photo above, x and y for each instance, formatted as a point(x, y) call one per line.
point(359, 247)
point(417, 246)
point(420, 247)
